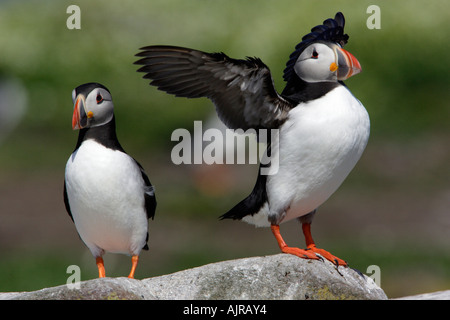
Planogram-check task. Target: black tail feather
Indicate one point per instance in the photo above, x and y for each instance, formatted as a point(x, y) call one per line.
point(250, 205)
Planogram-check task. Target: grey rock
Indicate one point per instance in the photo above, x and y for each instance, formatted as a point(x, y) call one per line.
point(439, 295)
point(96, 289)
point(271, 277)
point(280, 277)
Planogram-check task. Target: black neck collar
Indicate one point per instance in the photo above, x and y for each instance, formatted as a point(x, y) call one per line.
point(104, 134)
point(297, 90)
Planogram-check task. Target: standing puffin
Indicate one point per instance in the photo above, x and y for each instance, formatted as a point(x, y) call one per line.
point(106, 192)
point(323, 129)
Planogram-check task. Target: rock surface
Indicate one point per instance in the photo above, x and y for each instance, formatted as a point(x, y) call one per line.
point(439, 295)
point(280, 277)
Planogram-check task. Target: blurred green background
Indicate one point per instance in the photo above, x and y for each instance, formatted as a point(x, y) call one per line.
point(392, 211)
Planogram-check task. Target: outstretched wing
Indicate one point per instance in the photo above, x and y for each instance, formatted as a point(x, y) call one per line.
point(242, 90)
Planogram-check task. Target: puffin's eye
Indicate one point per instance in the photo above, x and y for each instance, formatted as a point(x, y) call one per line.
point(314, 55)
point(99, 98)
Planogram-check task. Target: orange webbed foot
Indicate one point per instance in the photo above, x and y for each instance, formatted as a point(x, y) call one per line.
point(337, 261)
point(310, 245)
point(305, 254)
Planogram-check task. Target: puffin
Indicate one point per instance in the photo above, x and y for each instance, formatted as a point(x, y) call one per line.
point(322, 128)
point(107, 193)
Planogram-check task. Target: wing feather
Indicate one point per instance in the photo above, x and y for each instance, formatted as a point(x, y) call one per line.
point(242, 90)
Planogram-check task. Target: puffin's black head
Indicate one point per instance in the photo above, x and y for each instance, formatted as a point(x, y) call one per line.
point(93, 106)
point(320, 57)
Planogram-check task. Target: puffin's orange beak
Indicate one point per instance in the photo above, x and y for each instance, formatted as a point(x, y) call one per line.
point(347, 64)
point(79, 118)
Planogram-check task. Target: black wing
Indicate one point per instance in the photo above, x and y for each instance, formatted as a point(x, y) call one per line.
point(66, 201)
point(149, 194)
point(242, 90)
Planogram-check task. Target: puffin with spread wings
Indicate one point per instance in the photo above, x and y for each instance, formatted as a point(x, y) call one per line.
point(322, 128)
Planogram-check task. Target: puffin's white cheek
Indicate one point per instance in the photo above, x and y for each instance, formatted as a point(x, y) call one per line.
point(305, 70)
point(312, 71)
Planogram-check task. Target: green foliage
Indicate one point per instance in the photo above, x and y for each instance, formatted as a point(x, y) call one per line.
point(403, 84)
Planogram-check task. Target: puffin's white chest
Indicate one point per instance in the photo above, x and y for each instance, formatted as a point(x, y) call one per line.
point(106, 195)
point(319, 145)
